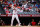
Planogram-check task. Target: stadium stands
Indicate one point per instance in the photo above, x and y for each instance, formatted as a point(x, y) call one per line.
point(26, 9)
point(7, 4)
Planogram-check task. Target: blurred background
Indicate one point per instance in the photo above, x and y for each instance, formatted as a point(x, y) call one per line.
point(25, 7)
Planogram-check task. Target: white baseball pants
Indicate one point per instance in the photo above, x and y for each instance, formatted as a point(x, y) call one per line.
point(13, 17)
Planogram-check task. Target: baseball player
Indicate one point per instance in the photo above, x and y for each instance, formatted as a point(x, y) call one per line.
point(15, 16)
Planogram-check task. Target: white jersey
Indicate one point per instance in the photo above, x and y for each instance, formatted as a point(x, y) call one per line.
point(15, 11)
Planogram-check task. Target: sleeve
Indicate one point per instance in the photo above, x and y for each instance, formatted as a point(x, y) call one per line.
point(12, 7)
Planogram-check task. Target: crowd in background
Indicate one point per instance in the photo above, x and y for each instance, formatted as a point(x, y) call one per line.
point(23, 6)
point(30, 23)
point(1, 22)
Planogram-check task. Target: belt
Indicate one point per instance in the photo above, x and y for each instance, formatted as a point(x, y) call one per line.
point(13, 9)
point(14, 14)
